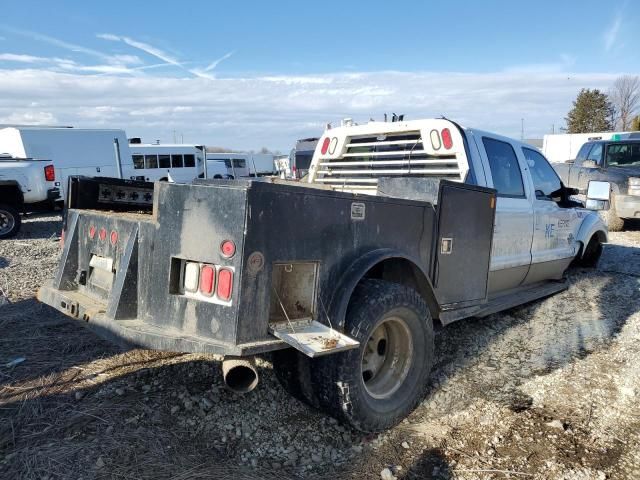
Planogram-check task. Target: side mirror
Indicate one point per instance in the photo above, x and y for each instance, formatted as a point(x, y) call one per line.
point(598, 195)
point(589, 164)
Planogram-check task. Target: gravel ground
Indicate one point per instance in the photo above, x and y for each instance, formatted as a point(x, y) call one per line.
point(544, 391)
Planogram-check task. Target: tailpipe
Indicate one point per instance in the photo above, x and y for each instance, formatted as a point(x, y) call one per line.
point(240, 374)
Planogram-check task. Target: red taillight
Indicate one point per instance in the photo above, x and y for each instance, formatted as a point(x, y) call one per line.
point(225, 284)
point(228, 248)
point(103, 234)
point(92, 232)
point(114, 237)
point(325, 145)
point(447, 141)
point(207, 279)
point(49, 173)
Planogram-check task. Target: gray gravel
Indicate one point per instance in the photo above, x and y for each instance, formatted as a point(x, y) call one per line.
point(549, 390)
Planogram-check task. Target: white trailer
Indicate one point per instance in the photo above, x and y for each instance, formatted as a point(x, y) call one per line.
point(167, 162)
point(561, 147)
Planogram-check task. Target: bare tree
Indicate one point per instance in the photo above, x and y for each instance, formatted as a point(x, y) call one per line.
point(625, 98)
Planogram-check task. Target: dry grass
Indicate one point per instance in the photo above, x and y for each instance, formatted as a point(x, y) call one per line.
point(48, 432)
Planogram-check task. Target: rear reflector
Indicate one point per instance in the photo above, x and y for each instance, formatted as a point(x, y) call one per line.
point(92, 232)
point(114, 237)
point(435, 139)
point(225, 284)
point(103, 234)
point(49, 173)
point(447, 141)
point(191, 276)
point(207, 280)
point(325, 145)
point(228, 248)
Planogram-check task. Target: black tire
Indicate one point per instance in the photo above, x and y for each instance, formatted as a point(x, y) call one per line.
point(389, 394)
point(293, 371)
point(10, 221)
point(591, 255)
point(614, 222)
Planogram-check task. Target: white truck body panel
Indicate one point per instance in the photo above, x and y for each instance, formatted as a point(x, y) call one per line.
point(534, 239)
point(559, 148)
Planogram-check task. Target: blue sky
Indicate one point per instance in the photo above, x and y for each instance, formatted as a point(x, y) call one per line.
point(248, 74)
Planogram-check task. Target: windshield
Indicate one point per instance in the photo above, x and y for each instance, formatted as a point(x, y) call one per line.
point(623, 154)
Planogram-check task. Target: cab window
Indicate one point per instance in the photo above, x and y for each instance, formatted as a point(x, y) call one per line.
point(584, 151)
point(505, 171)
point(596, 154)
point(620, 154)
point(545, 179)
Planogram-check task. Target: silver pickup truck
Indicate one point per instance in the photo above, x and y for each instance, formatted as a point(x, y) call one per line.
point(403, 224)
point(613, 161)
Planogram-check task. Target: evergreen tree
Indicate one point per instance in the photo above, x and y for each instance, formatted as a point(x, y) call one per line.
point(592, 112)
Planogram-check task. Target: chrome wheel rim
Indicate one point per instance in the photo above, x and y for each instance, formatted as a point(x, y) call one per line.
point(7, 222)
point(386, 357)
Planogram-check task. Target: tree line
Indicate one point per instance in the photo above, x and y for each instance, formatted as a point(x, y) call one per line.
point(596, 111)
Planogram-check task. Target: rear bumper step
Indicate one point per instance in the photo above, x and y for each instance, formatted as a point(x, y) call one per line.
point(136, 333)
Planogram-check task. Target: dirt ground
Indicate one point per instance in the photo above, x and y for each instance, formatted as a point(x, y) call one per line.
point(545, 391)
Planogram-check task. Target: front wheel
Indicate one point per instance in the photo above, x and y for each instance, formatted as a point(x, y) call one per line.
point(378, 384)
point(614, 222)
point(591, 255)
point(10, 221)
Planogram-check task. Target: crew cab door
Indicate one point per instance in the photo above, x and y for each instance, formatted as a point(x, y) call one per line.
point(555, 228)
point(513, 228)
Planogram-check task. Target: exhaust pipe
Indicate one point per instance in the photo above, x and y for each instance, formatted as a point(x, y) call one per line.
point(240, 374)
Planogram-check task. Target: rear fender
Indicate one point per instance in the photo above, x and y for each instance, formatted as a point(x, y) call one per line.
point(591, 225)
point(364, 265)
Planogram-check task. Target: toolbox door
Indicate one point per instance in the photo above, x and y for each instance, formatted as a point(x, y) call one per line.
point(463, 249)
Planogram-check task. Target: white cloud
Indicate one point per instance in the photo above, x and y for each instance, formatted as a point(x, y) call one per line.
point(215, 63)
point(164, 56)
point(29, 118)
point(20, 58)
point(610, 35)
point(56, 42)
point(274, 111)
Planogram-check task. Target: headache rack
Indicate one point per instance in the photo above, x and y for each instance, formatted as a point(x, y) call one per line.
point(369, 157)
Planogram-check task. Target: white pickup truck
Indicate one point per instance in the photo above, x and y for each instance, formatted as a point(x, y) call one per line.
point(25, 185)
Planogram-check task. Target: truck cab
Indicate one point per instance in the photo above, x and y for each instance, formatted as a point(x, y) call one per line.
point(538, 229)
